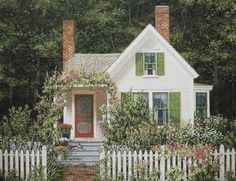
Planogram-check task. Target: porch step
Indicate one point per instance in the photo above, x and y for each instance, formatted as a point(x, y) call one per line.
point(83, 152)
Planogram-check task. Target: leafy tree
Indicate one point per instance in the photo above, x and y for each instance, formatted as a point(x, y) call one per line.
point(30, 42)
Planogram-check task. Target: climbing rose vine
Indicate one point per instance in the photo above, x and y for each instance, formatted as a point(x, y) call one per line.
point(56, 90)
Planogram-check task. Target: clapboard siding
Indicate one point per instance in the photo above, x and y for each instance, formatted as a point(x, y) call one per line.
point(176, 79)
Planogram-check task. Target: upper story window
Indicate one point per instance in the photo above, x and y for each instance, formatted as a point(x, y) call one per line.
point(149, 64)
point(201, 104)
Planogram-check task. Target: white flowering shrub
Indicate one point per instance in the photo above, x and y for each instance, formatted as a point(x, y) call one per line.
point(217, 128)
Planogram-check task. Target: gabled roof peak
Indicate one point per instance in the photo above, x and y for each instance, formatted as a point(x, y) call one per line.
point(132, 47)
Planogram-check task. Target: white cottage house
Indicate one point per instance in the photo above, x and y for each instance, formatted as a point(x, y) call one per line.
point(149, 65)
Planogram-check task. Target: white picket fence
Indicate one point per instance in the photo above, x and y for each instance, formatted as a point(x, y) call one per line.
point(127, 163)
point(23, 162)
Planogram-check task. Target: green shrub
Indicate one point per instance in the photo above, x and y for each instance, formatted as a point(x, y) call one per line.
point(54, 171)
point(132, 126)
point(229, 140)
point(175, 174)
point(204, 172)
point(127, 117)
point(10, 177)
point(16, 122)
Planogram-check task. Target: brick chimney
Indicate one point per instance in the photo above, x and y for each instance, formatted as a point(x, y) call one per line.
point(162, 21)
point(68, 40)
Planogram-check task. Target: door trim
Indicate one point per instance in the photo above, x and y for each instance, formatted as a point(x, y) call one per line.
point(92, 115)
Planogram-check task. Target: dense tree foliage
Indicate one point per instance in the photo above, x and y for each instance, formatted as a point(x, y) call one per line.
point(203, 31)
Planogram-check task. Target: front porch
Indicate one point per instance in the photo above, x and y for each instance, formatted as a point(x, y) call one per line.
point(82, 112)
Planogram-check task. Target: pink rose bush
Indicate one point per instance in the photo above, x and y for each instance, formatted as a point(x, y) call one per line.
point(202, 165)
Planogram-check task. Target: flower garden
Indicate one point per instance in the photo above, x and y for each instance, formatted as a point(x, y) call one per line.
point(130, 127)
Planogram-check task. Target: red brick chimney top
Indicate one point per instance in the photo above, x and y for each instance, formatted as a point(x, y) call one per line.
point(68, 40)
point(162, 21)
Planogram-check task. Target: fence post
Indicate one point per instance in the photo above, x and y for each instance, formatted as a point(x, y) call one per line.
point(32, 159)
point(6, 162)
point(233, 161)
point(162, 164)
point(135, 164)
point(146, 163)
point(1, 160)
point(124, 164)
point(17, 162)
point(156, 160)
point(185, 167)
point(102, 164)
point(222, 164)
point(150, 162)
point(227, 160)
point(37, 158)
point(11, 160)
point(119, 163)
point(108, 164)
point(22, 164)
point(129, 165)
point(114, 164)
point(44, 161)
point(27, 168)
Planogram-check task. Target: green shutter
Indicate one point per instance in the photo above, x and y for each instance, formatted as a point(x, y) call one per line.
point(160, 63)
point(139, 64)
point(174, 98)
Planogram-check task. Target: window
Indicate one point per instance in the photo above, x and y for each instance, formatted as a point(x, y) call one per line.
point(145, 97)
point(149, 64)
point(201, 104)
point(160, 105)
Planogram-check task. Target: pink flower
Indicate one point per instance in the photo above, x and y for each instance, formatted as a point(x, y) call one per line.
point(199, 153)
point(69, 75)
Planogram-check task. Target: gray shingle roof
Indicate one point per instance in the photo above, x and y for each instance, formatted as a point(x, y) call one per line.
point(92, 62)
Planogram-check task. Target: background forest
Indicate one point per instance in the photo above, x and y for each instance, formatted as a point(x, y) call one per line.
point(203, 31)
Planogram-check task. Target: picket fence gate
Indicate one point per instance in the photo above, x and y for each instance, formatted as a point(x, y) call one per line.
point(126, 163)
point(23, 162)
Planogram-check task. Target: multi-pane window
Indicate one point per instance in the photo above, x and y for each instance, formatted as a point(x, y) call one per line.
point(160, 105)
point(135, 95)
point(149, 64)
point(201, 104)
point(144, 95)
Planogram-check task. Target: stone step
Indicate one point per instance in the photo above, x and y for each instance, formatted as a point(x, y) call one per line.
point(86, 141)
point(78, 162)
point(79, 155)
point(83, 152)
point(92, 149)
point(84, 146)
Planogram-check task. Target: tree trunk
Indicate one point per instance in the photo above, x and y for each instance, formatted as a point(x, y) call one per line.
point(129, 12)
point(216, 84)
point(37, 80)
point(233, 95)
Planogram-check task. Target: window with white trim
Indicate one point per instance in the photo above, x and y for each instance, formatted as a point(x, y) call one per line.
point(160, 105)
point(201, 104)
point(149, 64)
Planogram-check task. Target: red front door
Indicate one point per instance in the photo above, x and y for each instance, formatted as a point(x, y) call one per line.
point(84, 116)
